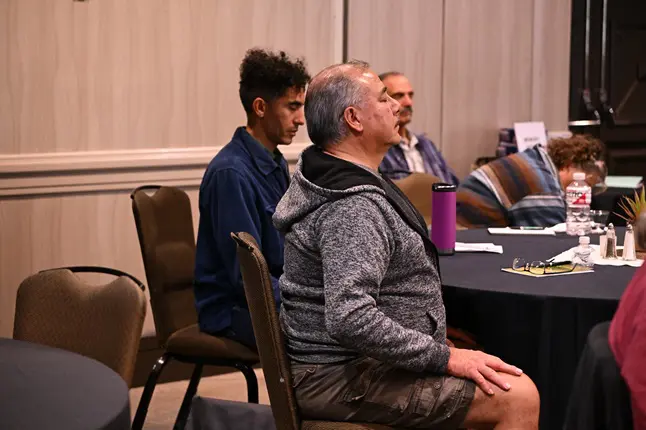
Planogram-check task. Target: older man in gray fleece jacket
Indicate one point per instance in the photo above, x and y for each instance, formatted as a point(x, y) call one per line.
point(361, 294)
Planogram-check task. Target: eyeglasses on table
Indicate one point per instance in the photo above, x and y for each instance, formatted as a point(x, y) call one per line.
point(538, 267)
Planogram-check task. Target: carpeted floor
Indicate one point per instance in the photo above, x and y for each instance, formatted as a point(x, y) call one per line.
point(168, 397)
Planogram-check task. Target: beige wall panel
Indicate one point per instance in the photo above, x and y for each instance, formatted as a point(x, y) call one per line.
point(95, 229)
point(144, 74)
point(551, 63)
point(75, 229)
point(119, 74)
point(407, 37)
point(487, 75)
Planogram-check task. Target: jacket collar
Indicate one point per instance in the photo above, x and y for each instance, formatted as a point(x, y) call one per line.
point(260, 155)
point(331, 172)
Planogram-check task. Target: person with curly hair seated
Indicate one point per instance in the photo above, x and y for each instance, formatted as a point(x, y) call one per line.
point(527, 188)
point(240, 190)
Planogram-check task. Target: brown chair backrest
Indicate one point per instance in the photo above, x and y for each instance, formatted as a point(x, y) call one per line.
point(417, 187)
point(165, 228)
point(103, 322)
point(269, 335)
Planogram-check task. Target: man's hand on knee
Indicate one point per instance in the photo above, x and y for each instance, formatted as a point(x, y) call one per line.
point(481, 368)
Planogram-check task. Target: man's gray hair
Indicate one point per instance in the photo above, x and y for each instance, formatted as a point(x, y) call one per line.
point(387, 75)
point(329, 94)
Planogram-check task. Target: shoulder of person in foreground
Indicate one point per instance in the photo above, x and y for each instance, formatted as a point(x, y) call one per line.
point(226, 166)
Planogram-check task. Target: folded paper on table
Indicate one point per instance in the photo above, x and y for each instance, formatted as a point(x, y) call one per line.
point(596, 257)
point(519, 232)
point(558, 228)
point(577, 271)
point(478, 247)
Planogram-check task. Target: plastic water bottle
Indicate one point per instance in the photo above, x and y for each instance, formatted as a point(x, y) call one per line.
point(583, 253)
point(578, 196)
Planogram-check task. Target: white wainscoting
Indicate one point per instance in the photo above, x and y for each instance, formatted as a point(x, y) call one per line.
point(64, 209)
point(29, 175)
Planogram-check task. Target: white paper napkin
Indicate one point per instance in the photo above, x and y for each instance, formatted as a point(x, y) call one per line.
point(558, 228)
point(478, 247)
point(596, 257)
point(520, 232)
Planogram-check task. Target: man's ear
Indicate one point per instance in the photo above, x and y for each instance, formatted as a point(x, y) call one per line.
point(259, 107)
point(351, 116)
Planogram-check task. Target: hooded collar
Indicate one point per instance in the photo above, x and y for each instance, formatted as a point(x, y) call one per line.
point(332, 173)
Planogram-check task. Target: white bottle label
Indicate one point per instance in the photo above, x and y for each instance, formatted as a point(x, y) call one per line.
point(577, 197)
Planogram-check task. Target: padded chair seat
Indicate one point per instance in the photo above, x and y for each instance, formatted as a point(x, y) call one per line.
point(191, 341)
point(329, 425)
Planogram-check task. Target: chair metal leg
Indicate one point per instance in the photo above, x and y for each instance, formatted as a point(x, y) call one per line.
point(252, 382)
point(185, 409)
point(147, 394)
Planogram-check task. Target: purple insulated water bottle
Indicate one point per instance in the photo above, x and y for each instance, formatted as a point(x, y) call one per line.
point(443, 218)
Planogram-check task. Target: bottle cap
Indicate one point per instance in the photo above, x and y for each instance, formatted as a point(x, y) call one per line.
point(578, 176)
point(584, 240)
point(442, 187)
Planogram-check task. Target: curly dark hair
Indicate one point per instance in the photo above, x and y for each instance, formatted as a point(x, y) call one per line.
point(269, 75)
point(579, 150)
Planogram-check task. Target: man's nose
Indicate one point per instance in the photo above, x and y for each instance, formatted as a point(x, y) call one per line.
point(396, 106)
point(406, 101)
point(300, 117)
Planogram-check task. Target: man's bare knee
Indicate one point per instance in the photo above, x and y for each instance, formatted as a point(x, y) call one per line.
point(520, 404)
point(523, 394)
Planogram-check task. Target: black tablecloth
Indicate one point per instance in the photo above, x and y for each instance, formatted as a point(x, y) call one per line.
point(46, 388)
point(600, 398)
point(216, 414)
point(537, 324)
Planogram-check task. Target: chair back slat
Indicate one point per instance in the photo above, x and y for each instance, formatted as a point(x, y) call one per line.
point(269, 335)
point(103, 322)
point(418, 188)
point(164, 224)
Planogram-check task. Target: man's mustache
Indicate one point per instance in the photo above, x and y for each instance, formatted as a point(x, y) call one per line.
point(407, 109)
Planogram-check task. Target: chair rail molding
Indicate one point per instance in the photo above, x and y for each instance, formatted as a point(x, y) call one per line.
point(52, 173)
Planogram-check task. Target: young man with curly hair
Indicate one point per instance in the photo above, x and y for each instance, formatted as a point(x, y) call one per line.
point(240, 190)
point(527, 188)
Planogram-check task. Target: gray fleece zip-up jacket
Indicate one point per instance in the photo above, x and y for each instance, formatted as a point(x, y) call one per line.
point(358, 280)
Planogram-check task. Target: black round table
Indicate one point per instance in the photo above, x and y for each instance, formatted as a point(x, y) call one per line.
point(537, 324)
point(47, 388)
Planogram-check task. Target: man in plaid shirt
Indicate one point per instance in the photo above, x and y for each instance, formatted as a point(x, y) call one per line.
point(415, 152)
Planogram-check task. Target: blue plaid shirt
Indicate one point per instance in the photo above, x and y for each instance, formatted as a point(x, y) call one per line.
point(395, 166)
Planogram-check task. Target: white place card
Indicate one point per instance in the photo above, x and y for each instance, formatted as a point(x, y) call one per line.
point(530, 134)
point(623, 181)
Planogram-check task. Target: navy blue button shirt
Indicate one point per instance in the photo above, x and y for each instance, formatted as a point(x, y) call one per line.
point(239, 192)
